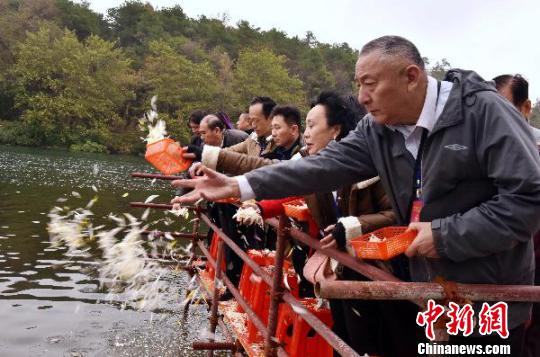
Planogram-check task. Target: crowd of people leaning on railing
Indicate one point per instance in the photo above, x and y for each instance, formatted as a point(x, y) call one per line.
point(455, 160)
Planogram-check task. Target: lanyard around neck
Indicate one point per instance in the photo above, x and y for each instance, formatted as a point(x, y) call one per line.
point(418, 161)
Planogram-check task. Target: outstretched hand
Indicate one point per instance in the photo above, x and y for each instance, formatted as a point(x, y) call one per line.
point(211, 186)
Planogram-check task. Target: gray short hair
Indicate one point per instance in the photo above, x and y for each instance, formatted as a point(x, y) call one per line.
point(213, 122)
point(394, 46)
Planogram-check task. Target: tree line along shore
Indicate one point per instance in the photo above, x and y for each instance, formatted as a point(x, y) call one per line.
point(74, 78)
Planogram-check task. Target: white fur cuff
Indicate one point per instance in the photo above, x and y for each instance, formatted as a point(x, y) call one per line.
point(353, 227)
point(210, 155)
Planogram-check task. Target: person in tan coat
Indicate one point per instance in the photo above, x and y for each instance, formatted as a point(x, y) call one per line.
point(364, 206)
point(284, 142)
point(258, 143)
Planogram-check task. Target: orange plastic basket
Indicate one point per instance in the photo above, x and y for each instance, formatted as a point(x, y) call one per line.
point(396, 242)
point(298, 210)
point(166, 156)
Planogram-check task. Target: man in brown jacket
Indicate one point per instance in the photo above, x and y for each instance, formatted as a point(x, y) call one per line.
point(258, 143)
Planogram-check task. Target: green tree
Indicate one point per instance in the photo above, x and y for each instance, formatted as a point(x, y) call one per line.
point(73, 91)
point(79, 18)
point(180, 84)
point(264, 73)
point(134, 24)
point(535, 115)
point(311, 68)
point(438, 71)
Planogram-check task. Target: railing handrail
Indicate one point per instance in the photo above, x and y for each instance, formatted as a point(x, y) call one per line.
point(384, 284)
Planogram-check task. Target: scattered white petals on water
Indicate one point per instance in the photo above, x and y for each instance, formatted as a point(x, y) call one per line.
point(125, 267)
point(76, 194)
point(36, 222)
point(94, 188)
point(5, 227)
point(125, 194)
point(91, 202)
point(206, 334)
point(20, 211)
point(187, 249)
point(300, 310)
point(180, 212)
point(120, 221)
point(61, 199)
point(95, 169)
point(151, 198)
point(153, 182)
point(17, 191)
point(168, 236)
point(156, 132)
point(132, 220)
point(153, 104)
point(145, 214)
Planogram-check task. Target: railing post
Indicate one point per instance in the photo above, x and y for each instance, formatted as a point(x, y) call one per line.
point(215, 297)
point(276, 289)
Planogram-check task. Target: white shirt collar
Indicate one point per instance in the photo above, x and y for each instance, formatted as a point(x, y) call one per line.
point(428, 117)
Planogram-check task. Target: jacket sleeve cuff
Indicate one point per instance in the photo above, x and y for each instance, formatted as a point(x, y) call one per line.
point(210, 155)
point(246, 192)
point(353, 227)
point(438, 240)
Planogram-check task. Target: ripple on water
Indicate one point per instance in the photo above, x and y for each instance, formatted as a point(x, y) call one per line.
point(54, 305)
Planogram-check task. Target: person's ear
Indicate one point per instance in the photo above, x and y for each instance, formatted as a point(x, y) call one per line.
point(413, 75)
point(336, 131)
point(526, 108)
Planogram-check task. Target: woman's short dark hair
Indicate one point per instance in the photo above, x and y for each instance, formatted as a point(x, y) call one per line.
point(196, 116)
point(519, 87)
point(339, 111)
point(291, 115)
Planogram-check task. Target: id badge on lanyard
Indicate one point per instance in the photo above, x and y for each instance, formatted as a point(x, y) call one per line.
point(418, 203)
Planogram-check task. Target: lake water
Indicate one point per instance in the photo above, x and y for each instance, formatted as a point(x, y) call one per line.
point(51, 305)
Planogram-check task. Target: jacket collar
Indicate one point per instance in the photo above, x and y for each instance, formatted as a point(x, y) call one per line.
point(466, 84)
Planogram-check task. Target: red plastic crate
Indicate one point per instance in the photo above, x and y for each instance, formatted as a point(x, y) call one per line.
point(213, 253)
point(262, 258)
point(166, 156)
point(396, 242)
point(298, 210)
point(297, 336)
point(260, 303)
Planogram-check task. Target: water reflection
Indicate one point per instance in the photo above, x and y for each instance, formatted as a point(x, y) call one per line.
point(51, 305)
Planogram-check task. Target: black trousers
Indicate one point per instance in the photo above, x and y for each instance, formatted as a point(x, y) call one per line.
point(222, 214)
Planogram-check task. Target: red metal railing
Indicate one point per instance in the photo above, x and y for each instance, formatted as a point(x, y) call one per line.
point(384, 285)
